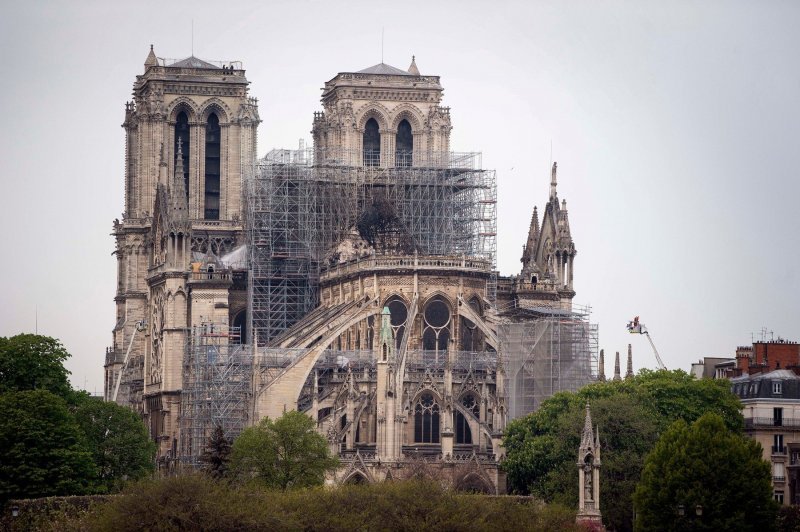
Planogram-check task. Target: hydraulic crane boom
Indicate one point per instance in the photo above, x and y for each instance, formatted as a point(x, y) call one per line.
point(636, 327)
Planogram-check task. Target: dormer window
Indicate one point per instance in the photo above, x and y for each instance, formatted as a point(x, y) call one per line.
point(777, 387)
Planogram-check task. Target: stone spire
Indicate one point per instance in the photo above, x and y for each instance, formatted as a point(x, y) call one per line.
point(151, 59)
point(629, 372)
point(553, 182)
point(413, 70)
point(601, 367)
point(533, 239)
point(617, 376)
point(587, 437)
point(386, 347)
point(178, 189)
point(563, 224)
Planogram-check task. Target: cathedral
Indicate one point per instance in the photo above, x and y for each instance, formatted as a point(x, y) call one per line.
point(354, 281)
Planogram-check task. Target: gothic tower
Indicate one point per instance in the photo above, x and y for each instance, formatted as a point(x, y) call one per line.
point(382, 116)
point(190, 143)
point(548, 257)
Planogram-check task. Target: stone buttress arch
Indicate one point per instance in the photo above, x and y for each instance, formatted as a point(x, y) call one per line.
point(284, 389)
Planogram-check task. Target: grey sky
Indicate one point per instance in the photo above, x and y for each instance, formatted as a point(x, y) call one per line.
point(675, 126)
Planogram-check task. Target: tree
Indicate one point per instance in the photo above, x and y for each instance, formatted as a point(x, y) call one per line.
point(121, 448)
point(42, 449)
point(284, 453)
point(705, 465)
point(541, 448)
point(33, 362)
point(217, 454)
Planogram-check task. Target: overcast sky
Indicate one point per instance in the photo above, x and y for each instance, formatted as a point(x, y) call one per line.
point(674, 124)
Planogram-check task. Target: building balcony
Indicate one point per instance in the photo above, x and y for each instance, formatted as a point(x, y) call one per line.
point(770, 422)
point(778, 479)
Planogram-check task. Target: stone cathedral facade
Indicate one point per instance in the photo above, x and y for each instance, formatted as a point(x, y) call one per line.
point(401, 356)
point(190, 141)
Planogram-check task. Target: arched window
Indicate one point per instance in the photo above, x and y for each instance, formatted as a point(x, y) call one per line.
point(426, 419)
point(372, 143)
point(471, 337)
point(405, 144)
point(436, 331)
point(399, 315)
point(463, 432)
point(212, 168)
point(182, 134)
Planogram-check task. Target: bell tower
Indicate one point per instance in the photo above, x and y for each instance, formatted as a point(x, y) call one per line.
point(382, 116)
point(190, 142)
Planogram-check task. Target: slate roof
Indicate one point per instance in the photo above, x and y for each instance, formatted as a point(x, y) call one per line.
point(383, 68)
point(193, 62)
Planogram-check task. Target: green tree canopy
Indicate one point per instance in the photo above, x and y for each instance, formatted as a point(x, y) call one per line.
point(121, 448)
point(705, 464)
point(217, 454)
point(284, 453)
point(33, 362)
point(42, 449)
point(541, 449)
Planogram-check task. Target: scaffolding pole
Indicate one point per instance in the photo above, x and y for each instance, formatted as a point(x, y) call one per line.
point(217, 388)
point(301, 204)
point(546, 353)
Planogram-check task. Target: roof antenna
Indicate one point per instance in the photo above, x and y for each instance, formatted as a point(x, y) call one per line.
point(192, 37)
point(382, 28)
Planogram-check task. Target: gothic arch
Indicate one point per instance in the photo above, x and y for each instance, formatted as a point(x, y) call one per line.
point(425, 389)
point(437, 324)
point(373, 110)
point(395, 295)
point(428, 412)
point(398, 319)
point(215, 105)
point(407, 112)
point(357, 477)
point(185, 104)
point(440, 295)
point(476, 483)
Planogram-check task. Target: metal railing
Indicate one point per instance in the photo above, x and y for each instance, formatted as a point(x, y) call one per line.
point(761, 422)
point(210, 276)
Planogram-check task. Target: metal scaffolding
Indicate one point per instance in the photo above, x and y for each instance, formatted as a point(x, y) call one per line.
point(549, 351)
point(217, 388)
point(299, 210)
